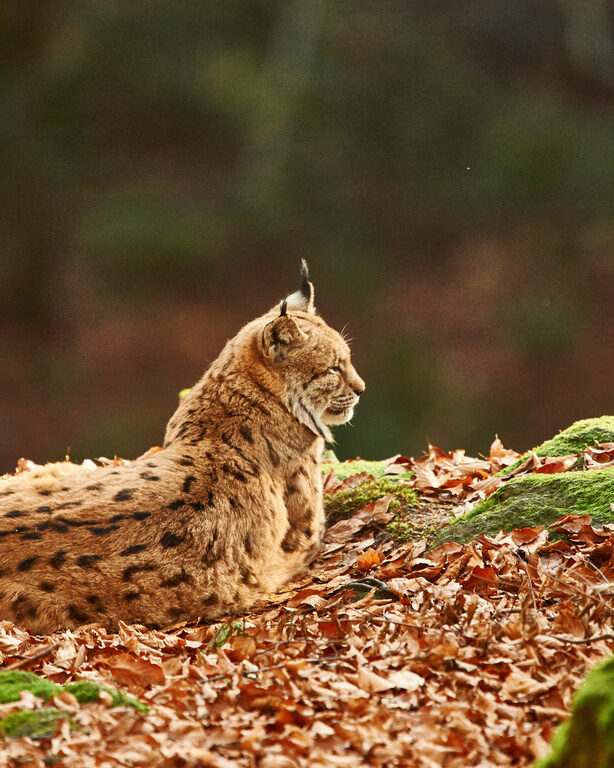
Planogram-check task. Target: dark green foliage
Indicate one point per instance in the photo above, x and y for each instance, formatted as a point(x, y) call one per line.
point(417, 153)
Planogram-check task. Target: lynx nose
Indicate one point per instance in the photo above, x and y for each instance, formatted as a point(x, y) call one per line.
point(357, 385)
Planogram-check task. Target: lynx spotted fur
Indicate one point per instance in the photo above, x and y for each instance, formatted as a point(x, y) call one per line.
point(221, 517)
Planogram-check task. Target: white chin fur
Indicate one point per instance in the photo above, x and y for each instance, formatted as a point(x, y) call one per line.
point(311, 420)
point(337, 418)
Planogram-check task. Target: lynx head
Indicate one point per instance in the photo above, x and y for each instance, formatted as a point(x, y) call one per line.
point(320, 385)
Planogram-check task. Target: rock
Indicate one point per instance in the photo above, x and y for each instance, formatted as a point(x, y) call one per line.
point(37, 723)
point(578, 436)
point(43, 721)
point(540, 499)
point(531, 500)
point(12, 682)
point(586, 740)
point(574, 439)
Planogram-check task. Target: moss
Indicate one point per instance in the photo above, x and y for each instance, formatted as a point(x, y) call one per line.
point(15, 681)
point(411, 530)
point(35, 723)
point(86, 691)
point(41, 723)
point(586, 740)
point(12, 682)
point(346, 503)
point(574, 439)
point(537, 500)
point(343, 469)
point(420, 522)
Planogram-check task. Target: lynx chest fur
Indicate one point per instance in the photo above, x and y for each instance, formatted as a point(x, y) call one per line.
point(221, 517)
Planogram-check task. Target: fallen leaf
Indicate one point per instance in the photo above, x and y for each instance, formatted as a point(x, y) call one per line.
point(367, 560)
point(134, 671)
point(370, 682)
point(406, 680)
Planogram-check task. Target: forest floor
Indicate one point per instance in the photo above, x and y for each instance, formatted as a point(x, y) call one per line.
point(384, 653)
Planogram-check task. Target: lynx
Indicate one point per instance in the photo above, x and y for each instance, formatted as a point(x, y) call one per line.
point(217, 520)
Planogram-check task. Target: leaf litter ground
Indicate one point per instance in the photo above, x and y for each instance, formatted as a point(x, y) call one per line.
point(382, 654)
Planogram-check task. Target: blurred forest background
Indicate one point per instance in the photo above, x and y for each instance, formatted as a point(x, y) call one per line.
point(447, 169)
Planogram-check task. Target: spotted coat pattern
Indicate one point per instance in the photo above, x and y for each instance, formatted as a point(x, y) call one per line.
point(221, 517)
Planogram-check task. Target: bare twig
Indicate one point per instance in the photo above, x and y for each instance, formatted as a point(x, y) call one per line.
point(298, 641)
point(573, 588)
point(250, 672)
point(314, 660)
point(581, 641)
point(385, 619)
point(588, 562)
point(35, 657)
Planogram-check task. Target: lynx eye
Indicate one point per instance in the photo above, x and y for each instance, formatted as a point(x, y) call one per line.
point(335, 368)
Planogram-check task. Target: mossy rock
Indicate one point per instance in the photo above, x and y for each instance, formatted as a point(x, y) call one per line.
point(12, 682)
point(425, 522)
point(345, 503)
point(572, 440)
point(35, 723)
point(87, 691)
point(531, 500)
point(586, 740)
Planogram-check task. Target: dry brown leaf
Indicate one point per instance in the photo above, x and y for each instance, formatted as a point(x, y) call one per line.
point(406, 680)
point(371, 682)
point(134, 671)
point(367, 560)
point(243, 646)
point(465, 663)
point(567, 622)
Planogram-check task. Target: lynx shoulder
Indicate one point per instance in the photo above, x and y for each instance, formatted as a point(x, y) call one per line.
point(221, 517)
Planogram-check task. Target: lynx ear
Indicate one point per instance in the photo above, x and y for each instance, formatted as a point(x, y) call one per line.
point(303, 298)
point(280, 335)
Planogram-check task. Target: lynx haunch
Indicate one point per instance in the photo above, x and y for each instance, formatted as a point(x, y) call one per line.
point(221, 517)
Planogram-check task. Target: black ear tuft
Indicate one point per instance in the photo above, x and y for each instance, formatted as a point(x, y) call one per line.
point(303, 299)
point(305, 285)
point(284, 307)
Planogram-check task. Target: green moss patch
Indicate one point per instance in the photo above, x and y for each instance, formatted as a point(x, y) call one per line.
point(87, 691)
point(345, 503)
point(586, 740)
point(534, 500)
point(422, 523)
point(344, 469)
point(12, 682)
point(35, 723)
point(572, 440)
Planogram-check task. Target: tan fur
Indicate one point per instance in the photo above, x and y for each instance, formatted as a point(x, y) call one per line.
point(228, 511)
